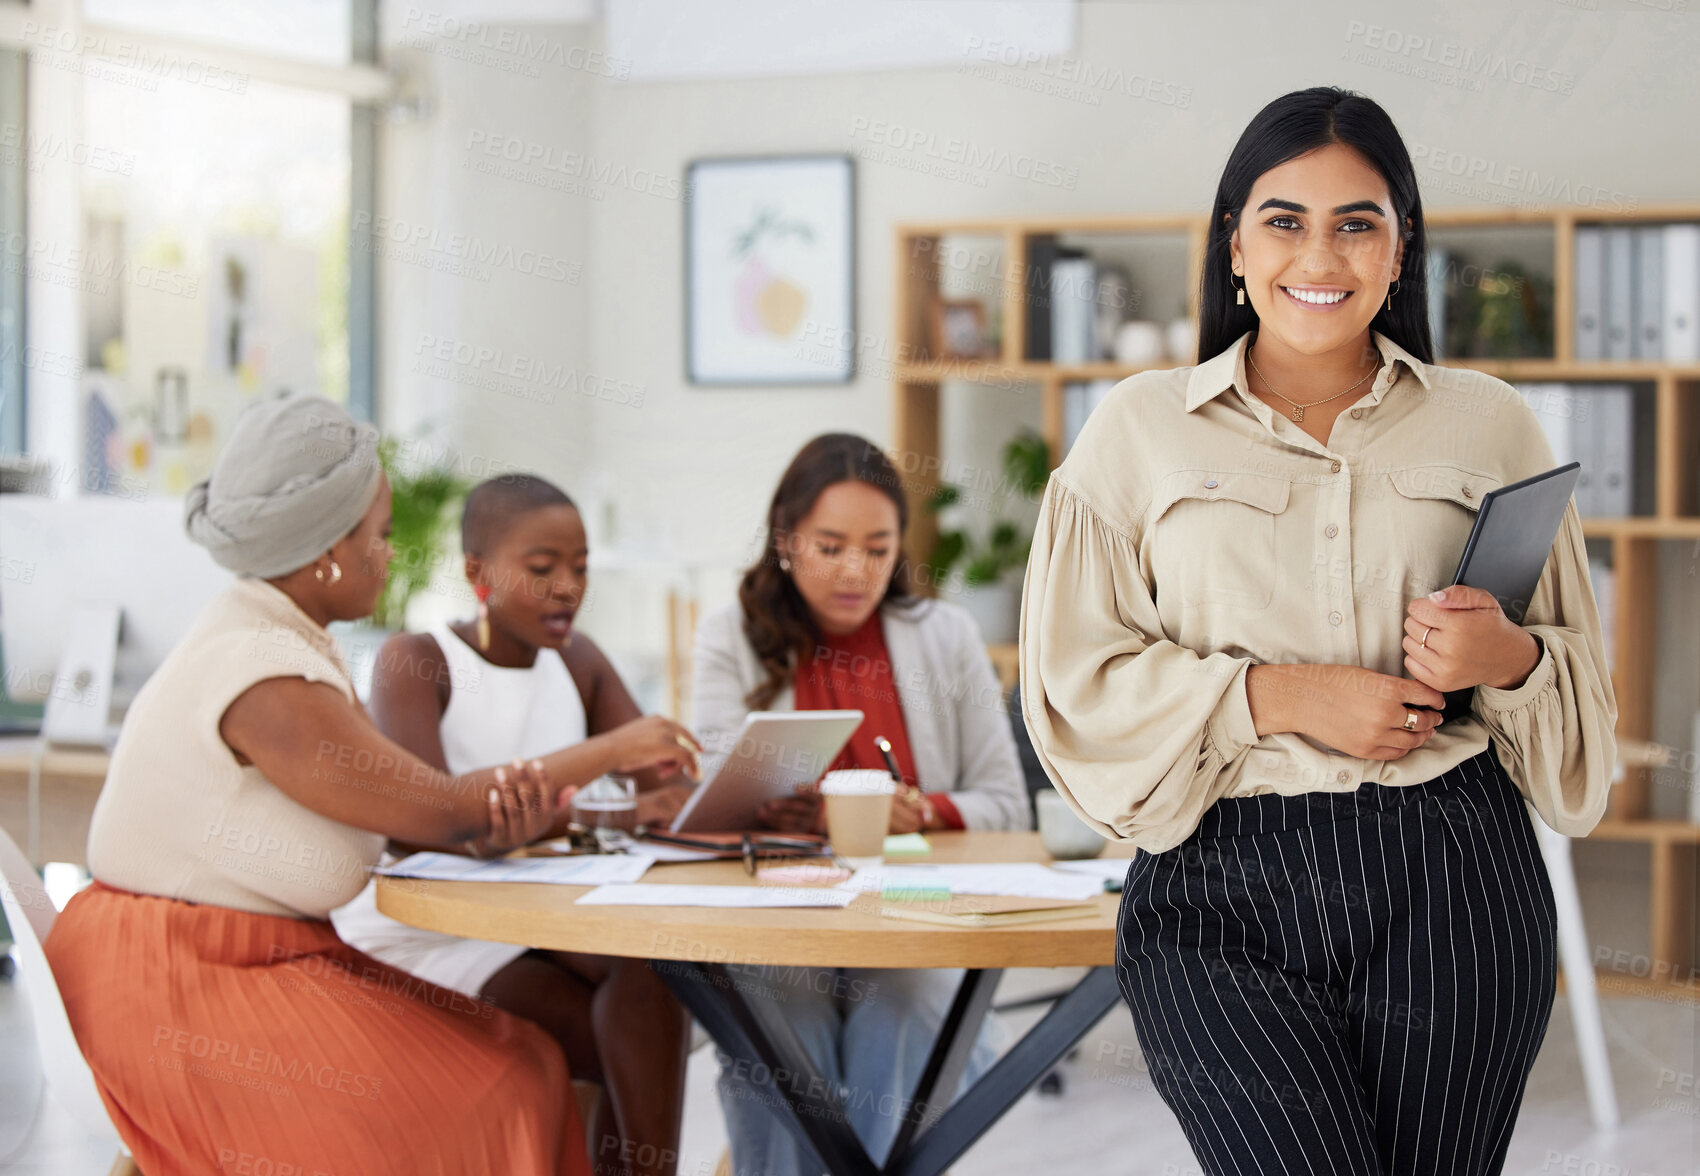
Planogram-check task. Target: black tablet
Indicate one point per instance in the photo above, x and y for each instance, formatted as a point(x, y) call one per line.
point(1508, 547)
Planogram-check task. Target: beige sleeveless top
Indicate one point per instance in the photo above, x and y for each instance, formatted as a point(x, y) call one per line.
point(179, 817)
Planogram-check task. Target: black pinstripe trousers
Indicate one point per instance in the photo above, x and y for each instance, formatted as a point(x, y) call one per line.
point(1348, 982)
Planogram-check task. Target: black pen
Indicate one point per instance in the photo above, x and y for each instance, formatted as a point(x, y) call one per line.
point(884, 744)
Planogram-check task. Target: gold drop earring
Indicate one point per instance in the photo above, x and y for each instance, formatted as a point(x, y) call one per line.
point(482, 591)
point(1390, 290)
point(1239, 291)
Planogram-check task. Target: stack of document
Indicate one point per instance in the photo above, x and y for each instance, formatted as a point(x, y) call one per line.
point(615, 881)
point(742, 897)
point(585, 870)
point(1015, 879)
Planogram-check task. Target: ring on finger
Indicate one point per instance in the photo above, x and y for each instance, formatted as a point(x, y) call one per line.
point(1411, 720)
point(1427, 629)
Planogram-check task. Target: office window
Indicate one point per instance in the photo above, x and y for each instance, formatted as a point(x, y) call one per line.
point(216, 253)
point(212, 154)
point(317, 31)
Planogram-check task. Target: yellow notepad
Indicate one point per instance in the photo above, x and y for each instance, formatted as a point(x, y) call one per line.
point(987, 910)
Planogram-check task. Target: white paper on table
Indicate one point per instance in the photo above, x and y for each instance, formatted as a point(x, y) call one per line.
point(663, 852)
point(1016, 879)
point(584, 870)
point(1108, 869)
point(675, 894)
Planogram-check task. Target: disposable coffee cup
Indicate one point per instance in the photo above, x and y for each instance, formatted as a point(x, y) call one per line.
point(858, 814)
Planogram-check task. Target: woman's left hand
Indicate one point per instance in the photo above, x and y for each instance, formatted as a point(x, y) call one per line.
point(520, 811)
point(1459, 637)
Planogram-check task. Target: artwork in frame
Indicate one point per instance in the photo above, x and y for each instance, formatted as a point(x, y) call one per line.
point(959, 329)
point(770, 270)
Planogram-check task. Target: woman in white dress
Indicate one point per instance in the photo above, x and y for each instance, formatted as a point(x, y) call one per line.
point(514, 684)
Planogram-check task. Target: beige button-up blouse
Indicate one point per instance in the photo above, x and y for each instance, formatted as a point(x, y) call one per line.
point(1193, 532)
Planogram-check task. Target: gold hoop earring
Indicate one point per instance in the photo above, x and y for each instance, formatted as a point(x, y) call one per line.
point(1239, 291)
point(336, 574)
point(1390, 290)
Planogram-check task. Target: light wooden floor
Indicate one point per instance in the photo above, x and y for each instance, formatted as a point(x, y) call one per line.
point(1107, 1119)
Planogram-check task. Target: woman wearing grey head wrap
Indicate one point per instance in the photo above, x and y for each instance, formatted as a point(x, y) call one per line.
point(297, 474)
point(249, 794)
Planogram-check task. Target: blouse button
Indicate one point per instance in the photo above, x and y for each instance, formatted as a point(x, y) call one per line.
point(1356, 413)
point(1331, 530)
point(1469, 493)
point(1343, 777)
point(1211, 484)
point(1334, 467)
point(1334, 618)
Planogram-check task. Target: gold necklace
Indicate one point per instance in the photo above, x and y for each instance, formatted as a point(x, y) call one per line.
point(1298, 413)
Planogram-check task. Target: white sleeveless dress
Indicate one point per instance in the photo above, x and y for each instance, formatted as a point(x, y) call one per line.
point(495, 714)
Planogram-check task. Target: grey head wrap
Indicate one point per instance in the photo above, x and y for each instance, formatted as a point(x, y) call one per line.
point(297, 474)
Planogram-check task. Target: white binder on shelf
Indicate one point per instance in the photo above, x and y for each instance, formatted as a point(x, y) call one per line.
point(1619, 292)
point(1682, 293)
point(1648, 316)
point(1585, 447)
point(1604, 579)
point(1613, 433)
point(1073, 310)
point(1565, 412)
point(1079, 402)
point(1555, 407)
point(1590, 292)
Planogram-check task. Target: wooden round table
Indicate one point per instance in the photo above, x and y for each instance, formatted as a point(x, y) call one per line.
point(698, 951)
point(855, 936)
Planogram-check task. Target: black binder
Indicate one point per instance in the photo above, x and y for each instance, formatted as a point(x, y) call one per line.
point(1508, 548)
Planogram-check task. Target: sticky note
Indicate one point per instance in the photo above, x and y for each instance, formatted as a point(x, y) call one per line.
point(900, 844)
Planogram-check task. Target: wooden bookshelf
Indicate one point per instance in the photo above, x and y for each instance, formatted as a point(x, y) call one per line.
point(1674, 846)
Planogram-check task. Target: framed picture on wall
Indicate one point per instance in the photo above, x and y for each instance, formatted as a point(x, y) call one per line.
point(770, 270)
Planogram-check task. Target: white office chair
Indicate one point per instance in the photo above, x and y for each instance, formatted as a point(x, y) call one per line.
point(30, 914)
point(1573, 955)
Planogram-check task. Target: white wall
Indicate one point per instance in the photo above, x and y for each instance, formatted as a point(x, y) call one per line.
point(692, 468)
point(462, 341)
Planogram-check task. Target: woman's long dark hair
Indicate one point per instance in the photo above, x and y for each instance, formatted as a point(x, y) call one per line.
point(1287, 128)
point(777, 621)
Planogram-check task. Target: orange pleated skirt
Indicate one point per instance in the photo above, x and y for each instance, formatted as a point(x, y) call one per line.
point(230, 1042)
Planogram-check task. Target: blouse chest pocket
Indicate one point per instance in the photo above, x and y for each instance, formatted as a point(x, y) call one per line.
point(1434, 507)
point(1213, 537)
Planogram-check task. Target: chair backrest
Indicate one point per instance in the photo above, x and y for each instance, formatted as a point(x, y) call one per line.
point(30, 914)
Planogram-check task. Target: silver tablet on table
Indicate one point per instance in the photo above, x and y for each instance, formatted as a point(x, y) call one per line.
point(776, 751)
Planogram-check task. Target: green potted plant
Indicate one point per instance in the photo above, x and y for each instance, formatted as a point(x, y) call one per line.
point(987, 569)
point(1505, 314)
point(420, 524)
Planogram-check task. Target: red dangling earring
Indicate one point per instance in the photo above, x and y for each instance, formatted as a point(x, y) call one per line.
point(482, 591)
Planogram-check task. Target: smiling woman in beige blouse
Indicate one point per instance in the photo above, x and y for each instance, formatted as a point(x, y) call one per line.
point(1338, 947)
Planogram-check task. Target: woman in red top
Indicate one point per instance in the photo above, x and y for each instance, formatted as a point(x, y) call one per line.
point(825, 620)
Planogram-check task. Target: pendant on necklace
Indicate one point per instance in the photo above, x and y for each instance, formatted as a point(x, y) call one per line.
point(1299, 413)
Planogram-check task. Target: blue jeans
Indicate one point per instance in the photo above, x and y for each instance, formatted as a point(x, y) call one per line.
point(868, 1031)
